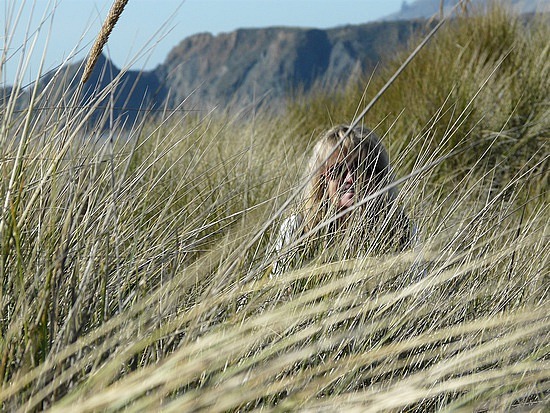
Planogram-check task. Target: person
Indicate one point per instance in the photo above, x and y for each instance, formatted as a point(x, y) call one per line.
point(348, 204)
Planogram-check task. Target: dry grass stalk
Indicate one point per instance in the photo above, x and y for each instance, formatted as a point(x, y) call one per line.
point(106, 29)
point(455, 324)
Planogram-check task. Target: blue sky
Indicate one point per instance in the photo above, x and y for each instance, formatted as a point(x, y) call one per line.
point(148, 29)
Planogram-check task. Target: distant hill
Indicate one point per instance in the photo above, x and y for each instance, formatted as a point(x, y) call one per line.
point(240, 67)
point(249, 66)
point(427, 8)
point(233, 70)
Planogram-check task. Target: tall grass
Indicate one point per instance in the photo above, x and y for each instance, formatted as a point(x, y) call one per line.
point(134, 265)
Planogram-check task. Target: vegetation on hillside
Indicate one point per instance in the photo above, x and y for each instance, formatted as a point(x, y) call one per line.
point(133, 265)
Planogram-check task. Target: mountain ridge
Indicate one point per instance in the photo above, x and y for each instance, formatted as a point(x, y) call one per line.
point(274, 61)
point(242, 68)
point(426, 9)
point(260, 67)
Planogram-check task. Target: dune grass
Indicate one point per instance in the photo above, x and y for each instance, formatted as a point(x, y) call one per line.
point(134, 263)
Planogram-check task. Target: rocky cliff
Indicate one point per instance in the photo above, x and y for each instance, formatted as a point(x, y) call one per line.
point(244, 66)
point(233, 70)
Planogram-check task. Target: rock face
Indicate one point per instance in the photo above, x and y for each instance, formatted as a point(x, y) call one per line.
point(233, 70)
point(245, 66)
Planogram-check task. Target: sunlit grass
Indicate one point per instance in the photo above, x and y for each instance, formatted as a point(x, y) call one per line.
point(135, 266)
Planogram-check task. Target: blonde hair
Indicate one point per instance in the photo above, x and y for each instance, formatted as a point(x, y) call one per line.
point(373, 169)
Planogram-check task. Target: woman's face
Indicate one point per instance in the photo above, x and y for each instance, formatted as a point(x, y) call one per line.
point(340, 176)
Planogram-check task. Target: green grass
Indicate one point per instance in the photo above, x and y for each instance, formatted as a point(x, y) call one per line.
point(134, 269)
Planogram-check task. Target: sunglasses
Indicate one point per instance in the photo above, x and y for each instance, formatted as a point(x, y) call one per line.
point(339, 171)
